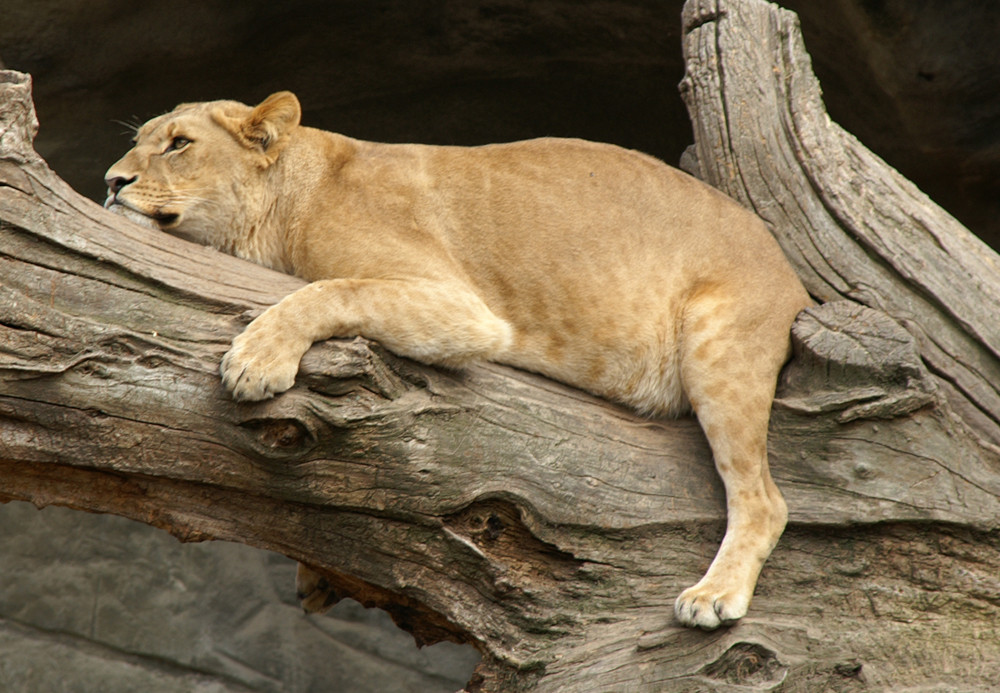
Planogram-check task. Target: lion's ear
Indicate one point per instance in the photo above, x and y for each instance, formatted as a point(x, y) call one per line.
point(268, 125)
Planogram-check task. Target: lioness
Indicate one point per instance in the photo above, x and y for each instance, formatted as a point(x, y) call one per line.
point(601, 267)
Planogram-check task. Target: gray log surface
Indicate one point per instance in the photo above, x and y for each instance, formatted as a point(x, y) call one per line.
point(551, 529)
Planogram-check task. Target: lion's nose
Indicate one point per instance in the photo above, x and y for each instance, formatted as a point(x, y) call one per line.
point(116, 183)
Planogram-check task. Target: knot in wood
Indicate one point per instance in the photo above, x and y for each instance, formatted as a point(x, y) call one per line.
point(497, 528)
point(855, 361)
point(494, 527)
point(850, 670)
point(281, 434)
point(747, 664)
point(279, 437)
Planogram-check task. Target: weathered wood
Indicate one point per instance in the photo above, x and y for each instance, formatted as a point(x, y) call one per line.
point(550, 529)
point(851, 225)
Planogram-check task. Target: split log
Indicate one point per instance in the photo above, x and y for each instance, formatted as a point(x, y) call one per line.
point(551, 529)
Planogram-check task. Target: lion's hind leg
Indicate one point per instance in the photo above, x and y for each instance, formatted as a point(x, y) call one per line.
point(730, 360)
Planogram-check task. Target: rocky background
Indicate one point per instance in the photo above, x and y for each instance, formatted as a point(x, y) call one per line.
point(92, 603)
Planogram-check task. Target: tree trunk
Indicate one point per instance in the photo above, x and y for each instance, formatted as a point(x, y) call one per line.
point(551, 529)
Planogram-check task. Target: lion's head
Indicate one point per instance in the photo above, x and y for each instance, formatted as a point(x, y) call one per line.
point(196, 172)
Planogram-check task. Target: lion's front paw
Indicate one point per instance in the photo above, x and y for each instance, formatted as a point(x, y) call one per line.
point(262, 362)
point(707, 606)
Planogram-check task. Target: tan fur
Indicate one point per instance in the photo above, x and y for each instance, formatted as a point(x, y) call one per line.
point(597, 266)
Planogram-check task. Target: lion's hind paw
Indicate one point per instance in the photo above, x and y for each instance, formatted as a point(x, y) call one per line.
point(704, 606)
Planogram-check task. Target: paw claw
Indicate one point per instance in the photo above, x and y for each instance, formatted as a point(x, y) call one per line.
point(260, 365)
point(703, 607)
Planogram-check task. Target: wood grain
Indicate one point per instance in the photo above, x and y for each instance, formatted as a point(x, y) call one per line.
point(551, 529)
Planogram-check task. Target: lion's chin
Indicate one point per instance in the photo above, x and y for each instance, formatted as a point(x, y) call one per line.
point(160, 222)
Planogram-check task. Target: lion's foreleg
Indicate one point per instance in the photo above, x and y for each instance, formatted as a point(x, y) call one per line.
point(431, 321)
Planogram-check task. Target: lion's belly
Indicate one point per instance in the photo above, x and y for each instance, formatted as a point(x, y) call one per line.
point(632, 359)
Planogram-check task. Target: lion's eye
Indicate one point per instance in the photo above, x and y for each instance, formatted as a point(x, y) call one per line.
point(177, 144)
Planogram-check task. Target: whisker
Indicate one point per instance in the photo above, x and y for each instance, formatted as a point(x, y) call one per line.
point(132, 124)
point(174, 199)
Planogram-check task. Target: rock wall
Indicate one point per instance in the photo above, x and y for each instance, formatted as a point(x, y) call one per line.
point(100, 604)
point(93, 603)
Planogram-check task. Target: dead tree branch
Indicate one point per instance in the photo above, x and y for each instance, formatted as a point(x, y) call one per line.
point(551, 529)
